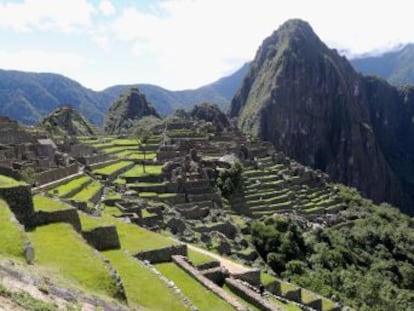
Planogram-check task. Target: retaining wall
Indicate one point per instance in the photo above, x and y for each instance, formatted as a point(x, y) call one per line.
point(103, 238)
point(162, 254)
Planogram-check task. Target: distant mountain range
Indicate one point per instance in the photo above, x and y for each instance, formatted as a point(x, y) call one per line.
point(397, 67)
point(27, 97)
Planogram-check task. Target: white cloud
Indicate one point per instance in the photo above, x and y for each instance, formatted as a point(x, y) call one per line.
point(43, 61)
point(107, 8)
point(60, 15)
point(194, 41)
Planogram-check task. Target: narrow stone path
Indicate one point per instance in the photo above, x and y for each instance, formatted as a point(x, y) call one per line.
point(232, 266)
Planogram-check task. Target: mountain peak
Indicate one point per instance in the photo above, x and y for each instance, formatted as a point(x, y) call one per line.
point(131, 106)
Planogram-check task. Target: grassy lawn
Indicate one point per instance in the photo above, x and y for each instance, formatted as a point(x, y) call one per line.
point(125, 142)
point(110, 169)
point(89, 222)
point(12, 235)
point(88, 192)
point(61, 251)
point(42, 203)
point(134, 238)
point(143, 288)
point(7, 182)
point(285, 306)
point(138, 171)
point(199, 295)
point(140, 156)
point(198, 258)
point(70, 186)
point(266, 278)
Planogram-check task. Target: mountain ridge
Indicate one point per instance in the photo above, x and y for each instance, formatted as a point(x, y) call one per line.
point(28, 96)
point(309, 101)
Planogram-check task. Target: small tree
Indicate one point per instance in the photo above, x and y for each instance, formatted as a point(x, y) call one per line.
point(142, 135)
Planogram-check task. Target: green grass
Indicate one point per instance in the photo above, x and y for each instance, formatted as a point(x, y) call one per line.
point(140, 156)
point(70, 186)
point(285, 287)
point(143, 288)
point(134, 238)
point(199, 296)
point(112, 210)
point(89, 222)
point(198, 258)
point(138, 171)
point(266, 278)
point(7, 182)
point(62, 252)
point(285, 306)
point(88, 192)
point(12, 235)
point(112, 168)
point(125, 142)
point(42, 203)
point(148, 195)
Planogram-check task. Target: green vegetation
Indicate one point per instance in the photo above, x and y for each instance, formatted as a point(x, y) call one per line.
point(42, 203)
point(278, 240)
point(12, 236)
point(70, 186)
point(198, 258)
point(134, 238)
point(61, 251)
point(138, 171)
point(88, 192)
point(26, 301)
point(7, 182)
point(143, 288)
point(89, 222)
point(200, 296)
point(285, 306)
point(229, 180)
point(111, 169)
point(367, 261)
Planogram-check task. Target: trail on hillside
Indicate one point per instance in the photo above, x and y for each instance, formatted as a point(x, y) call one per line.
point(231, 266)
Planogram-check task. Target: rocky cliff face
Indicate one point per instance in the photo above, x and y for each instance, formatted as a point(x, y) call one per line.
point(67, 121)
point(308, 101)
point(127, 110)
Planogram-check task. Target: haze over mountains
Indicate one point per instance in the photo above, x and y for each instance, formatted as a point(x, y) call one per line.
point(27, 97)
point(311, 104)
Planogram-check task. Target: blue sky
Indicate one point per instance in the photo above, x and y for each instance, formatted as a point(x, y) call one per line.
point(178, 44)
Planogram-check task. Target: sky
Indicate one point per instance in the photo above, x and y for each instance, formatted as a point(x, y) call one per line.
point(179, 44)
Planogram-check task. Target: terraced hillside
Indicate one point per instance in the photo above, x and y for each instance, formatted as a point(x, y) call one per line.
point(283, 186)
point(103, 214)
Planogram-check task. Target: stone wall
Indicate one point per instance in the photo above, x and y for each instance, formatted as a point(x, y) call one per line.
point(194, 212)
point(55, 183)
point(249, 295)
point(216, 275)
point(97, 196)
point(294, 295)
point(69, 216)
point(208, 265)
point(99, 165)
point(162, 254)
point(55, 174)
point(94, 159)
point(103, 238)
point(252, 277)
point(20, 202)
point(274, 287)
point(8, 171)
point(211, 286)
point(228, 229)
